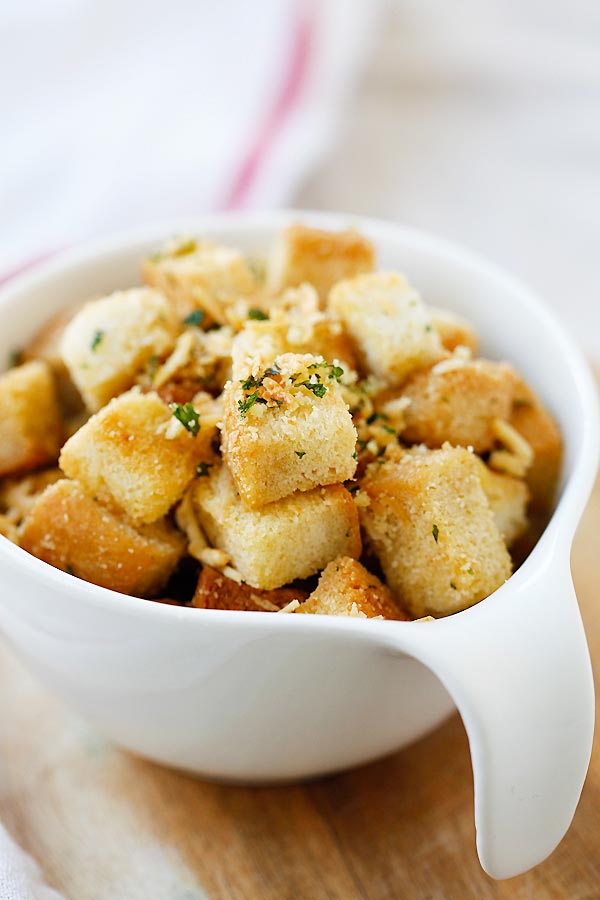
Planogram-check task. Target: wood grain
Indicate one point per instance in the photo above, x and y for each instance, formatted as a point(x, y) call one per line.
point(106, 826)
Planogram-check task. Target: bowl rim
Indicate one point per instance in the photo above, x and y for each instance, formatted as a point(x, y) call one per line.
point(559, 532)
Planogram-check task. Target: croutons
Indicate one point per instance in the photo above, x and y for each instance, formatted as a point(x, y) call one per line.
point(200, 275)
point(73, 532)
point(429, 522)
point(287, 428)
point(216, 591)
point(111, 340)
point(286, 540)
point(346, 588)
point(454, 331)
point(508, 498)
point(322, 258)
point(533, 422)
point(389, 324)
point(31, 429)
point(457, 401)
point(136, 453)
point(201, 360)
point(18, 495)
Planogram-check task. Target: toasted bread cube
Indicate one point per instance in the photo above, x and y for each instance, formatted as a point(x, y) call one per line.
point(508, 498)
point(389, 324)
point(8, 529)
point(430, 523)
point(533, 421)
point(286, 540)
point(457, 401)
point(31, 430)
point(200, 275)
point(134, 454)
point(346, 588)
point(454, 331)
point(321, 258)
point(287, 431)
point(75, 533)
point(215, 591)
point(111, 340)
point(45, 345)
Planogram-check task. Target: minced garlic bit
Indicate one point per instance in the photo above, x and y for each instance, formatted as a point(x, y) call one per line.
point(188, 523)
point(179, 358)
point(460, 356)
point(216, 559)
point(517, 456)
point(289, 607)
point(362, 499)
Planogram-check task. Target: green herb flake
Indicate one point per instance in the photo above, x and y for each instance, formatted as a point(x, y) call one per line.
point(187, 415)
point(258, 315)
point(185, 247)
point(97, 340)
point(245, 405)
point(435, 532)
point(272, 371)
point(452, 585)
point(194, 318)
point(355, 455)
point(15, 358)
point(69, 570)
point(389, 430)
point(300, 453)
point(318, 388)
point(202, 469)
point(470, 571)
point(336, 372)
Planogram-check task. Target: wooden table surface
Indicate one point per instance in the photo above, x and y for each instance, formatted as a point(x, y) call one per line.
point(106, 826)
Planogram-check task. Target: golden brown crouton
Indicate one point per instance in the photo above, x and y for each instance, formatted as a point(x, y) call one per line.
point(200, 275)
point(31, 429)
point(508, 498)
point(457, 401)
point(69, 530)
point(286, 540)
point(216, 591)
point(533, 421)
point(454, 331)
point(429, 522)
point(111, 340)
point(45, 345)
point(389, 324)
point(287, 428)
point(136, 454)
point(346, 588)
point(321, 258)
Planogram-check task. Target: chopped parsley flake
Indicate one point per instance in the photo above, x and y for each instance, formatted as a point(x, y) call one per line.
point(69, 570)
point(185, 247)
point(152, 366)
point(317, 387)
point(272, 370)
point(194, 318)
point(452, 585)
point(258, 315)
point(470, 570)
point(202, 469)
point(15, 358)
point(388, 429)
point(336, 372)
point(300, 453)
point(355, 455)
point(188, 417)
point(248, 403)
point(97, 340)
point(435, 532)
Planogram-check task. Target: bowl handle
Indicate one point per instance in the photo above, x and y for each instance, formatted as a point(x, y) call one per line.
point(519, 671)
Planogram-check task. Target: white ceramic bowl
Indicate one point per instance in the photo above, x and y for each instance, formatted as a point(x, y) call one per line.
point(264, 698)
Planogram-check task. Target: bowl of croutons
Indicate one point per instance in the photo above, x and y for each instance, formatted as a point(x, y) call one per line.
point(279, 491)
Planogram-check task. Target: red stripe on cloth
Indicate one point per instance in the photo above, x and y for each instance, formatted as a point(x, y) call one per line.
point(26, 266)
point(291, 87)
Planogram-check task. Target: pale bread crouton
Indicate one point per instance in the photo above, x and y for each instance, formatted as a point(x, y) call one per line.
point(45, 345)
point(31, 429)
point(134, 454)
point(322, 258)
point(508, 498)
point(287, 428)
point(200, 275)
point(454, 331)
point(429, 522)
point(286, 540)
point(346, 588)
point(457, 401)
point(388, 323)
point(215, 591)
point(72, 532)
point(533, 421)
point(8, 529)
point(111, 340)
